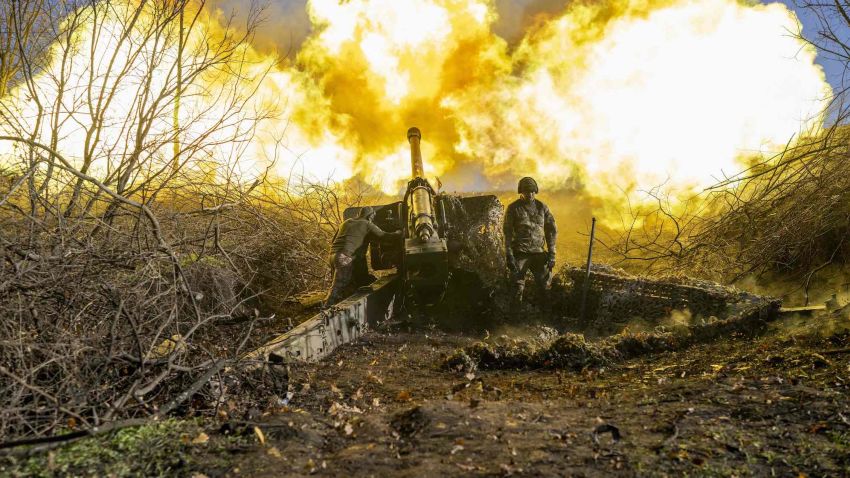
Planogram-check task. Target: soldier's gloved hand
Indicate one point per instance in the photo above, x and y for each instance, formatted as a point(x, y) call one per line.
point(551, 263)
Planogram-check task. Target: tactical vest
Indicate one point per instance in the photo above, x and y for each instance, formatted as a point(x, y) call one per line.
point(528, 225)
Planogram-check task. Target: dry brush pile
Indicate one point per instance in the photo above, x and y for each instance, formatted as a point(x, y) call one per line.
point(129, 235)
point(112, 318)
point(786, 217)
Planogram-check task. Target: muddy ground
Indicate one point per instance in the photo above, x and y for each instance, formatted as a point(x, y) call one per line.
point(773, 405)
point(768, 406)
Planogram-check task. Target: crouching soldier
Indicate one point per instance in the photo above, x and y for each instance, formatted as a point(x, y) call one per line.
point(529, 241)
point(350, 237)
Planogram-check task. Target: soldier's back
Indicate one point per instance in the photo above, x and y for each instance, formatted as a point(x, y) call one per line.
point(352, 233)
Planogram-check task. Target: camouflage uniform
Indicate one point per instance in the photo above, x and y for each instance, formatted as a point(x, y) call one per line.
point(349, 240)
point(529, 226)
point(342, 266)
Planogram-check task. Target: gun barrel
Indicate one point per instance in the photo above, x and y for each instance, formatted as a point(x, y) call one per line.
point(422, 210)
point(414, 136)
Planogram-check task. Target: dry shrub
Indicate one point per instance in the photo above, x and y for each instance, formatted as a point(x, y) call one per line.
point(122, 260)
point(786, 218)
point(108, 325)
point(791, 215)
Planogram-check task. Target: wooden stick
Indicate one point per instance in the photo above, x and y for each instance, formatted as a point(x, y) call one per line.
point(586, 284)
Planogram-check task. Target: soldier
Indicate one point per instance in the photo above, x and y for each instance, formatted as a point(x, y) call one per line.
point(352, 234)
point(528, 227)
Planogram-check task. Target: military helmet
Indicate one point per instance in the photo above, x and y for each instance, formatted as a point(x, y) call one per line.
point(366, 211)
point(527, 184)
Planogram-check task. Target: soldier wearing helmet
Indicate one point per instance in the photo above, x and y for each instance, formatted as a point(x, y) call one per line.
point(530, 234)
point(347, 241)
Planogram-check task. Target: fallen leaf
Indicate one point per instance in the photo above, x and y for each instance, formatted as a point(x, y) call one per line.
point(166, 347)
point(661, 369)
point(374, 378)
point(337, 408)
point(273, 451)
point(680, 455)
point(403, 396)
point(260, 436)
point(201, 439)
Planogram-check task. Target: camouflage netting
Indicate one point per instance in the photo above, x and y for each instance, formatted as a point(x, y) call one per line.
point(614, 300)
point(476, 243)
point(477, 262)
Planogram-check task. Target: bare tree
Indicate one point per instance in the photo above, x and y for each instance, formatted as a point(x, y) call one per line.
point(26, 31)
point(128, 233)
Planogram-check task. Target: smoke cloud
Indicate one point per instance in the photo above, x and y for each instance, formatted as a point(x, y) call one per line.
point(606, 97)
point(599, 97)
point(284, 28)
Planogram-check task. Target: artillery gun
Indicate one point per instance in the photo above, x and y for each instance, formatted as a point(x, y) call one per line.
point(437, 240)
point(452, 258)
point(452, 252)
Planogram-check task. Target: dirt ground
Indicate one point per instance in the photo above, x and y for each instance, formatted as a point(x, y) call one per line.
point(773, 405)
point(768, 406)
